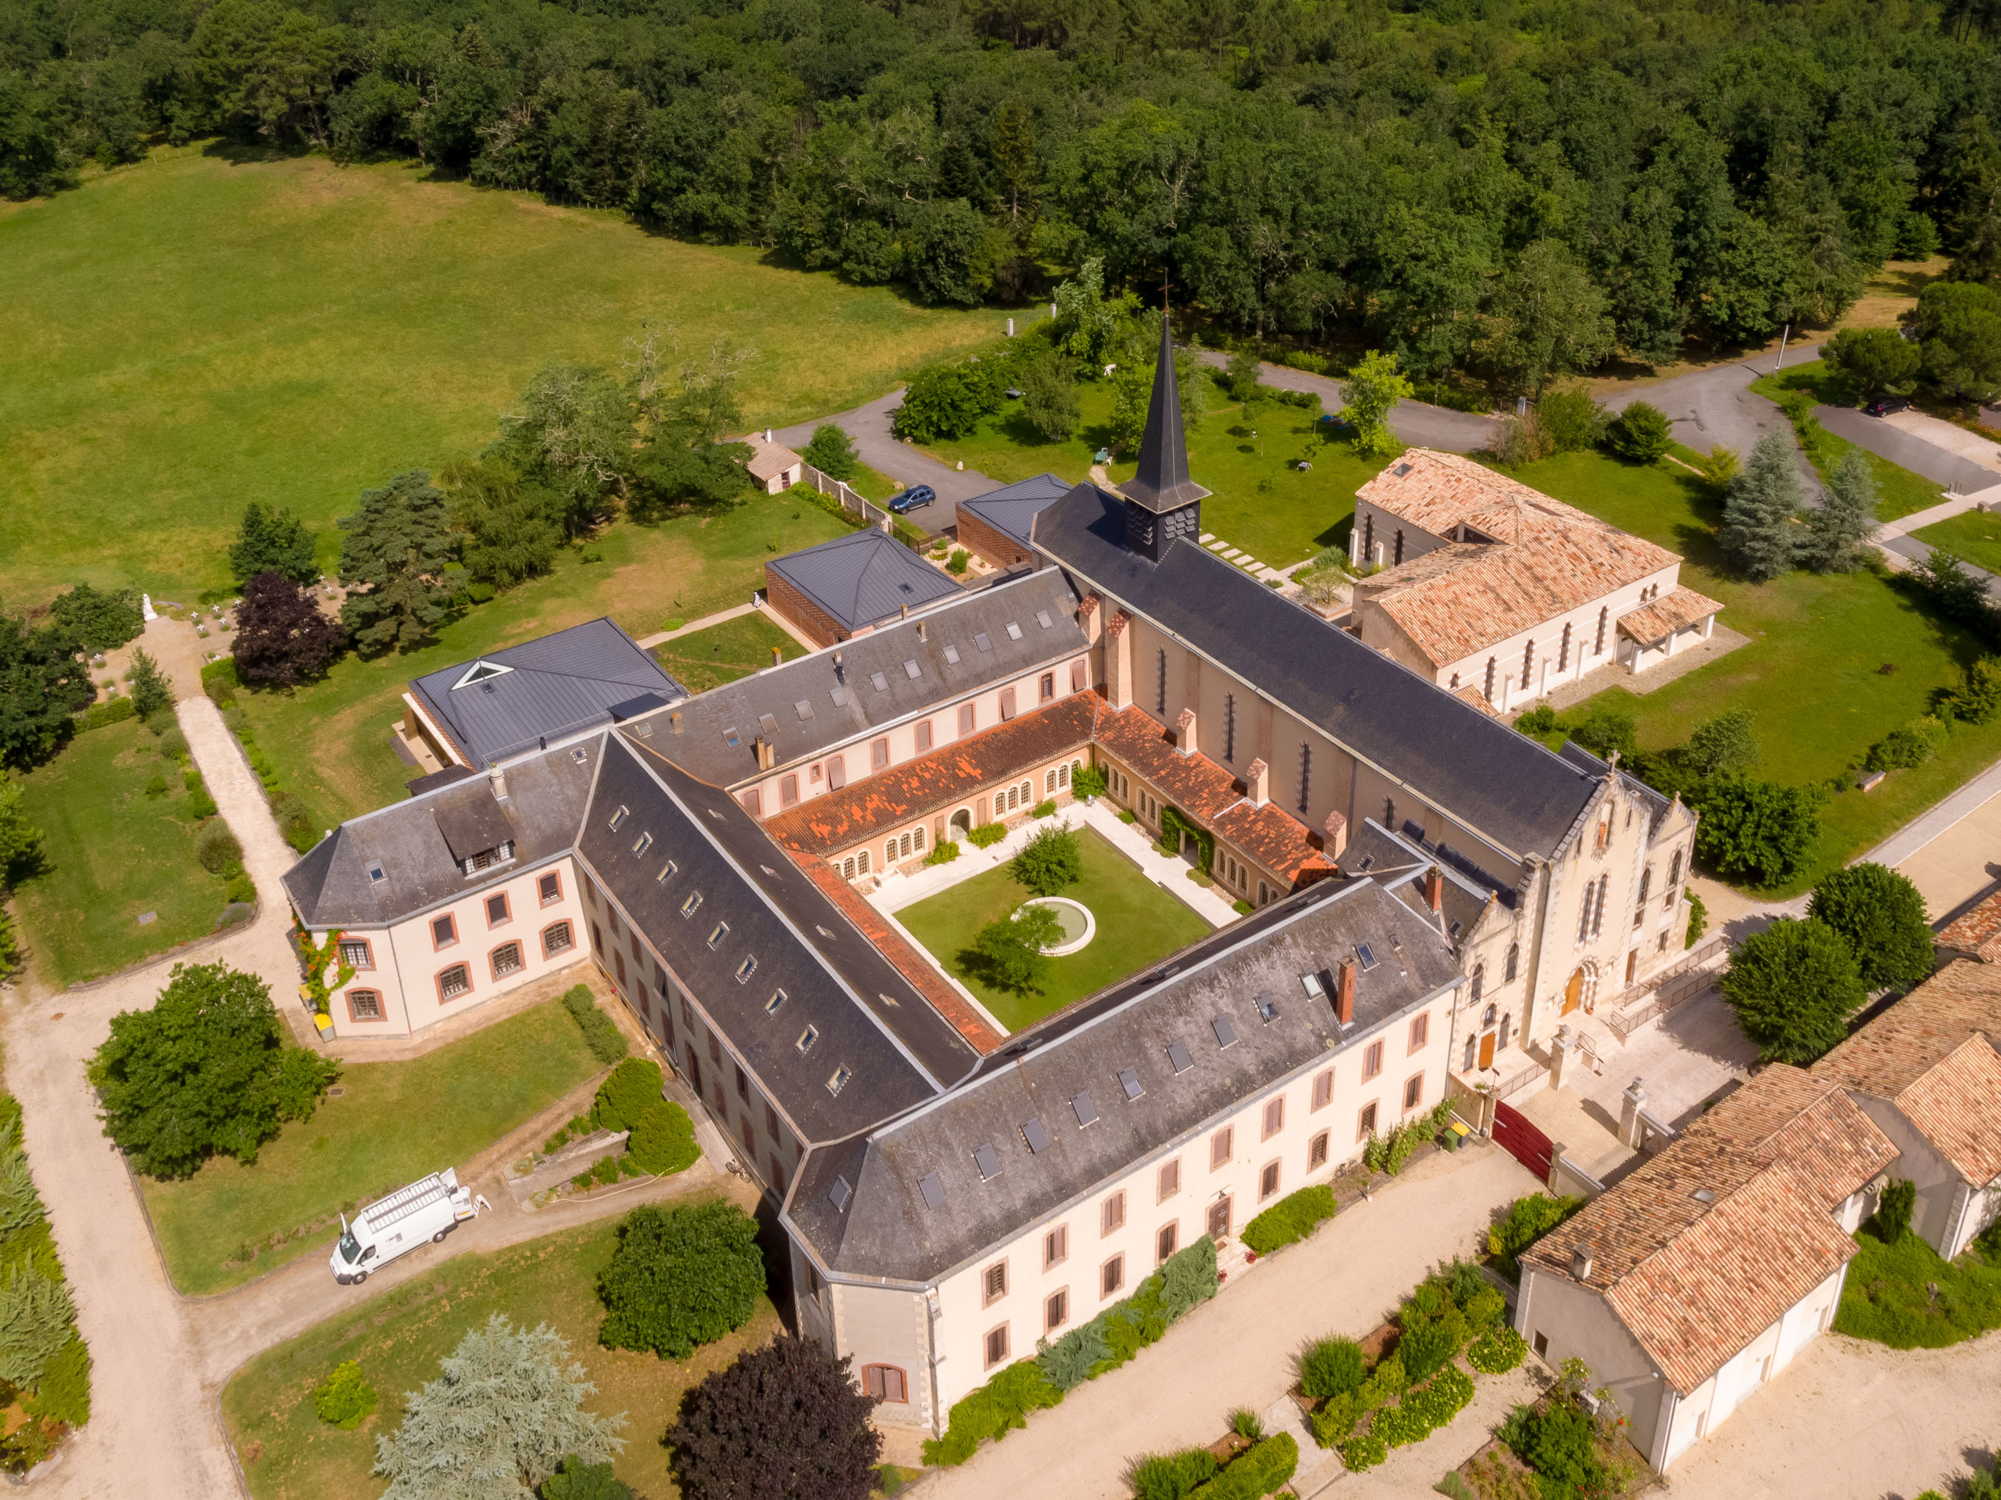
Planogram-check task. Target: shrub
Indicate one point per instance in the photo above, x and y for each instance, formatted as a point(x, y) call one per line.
point(1087, 781)
point(942, 854)
point(1640, 434)
point(1170, 1476)
point(1043, 809)
point(663, 1140)
point(217, 849)
point(1425, 1347)
point(1330, 1367)
point(1426, 1409)
point(1557, 1441)
point(986, 835)
point(577, 1480)
point(1336, 1418)
point(1527, 1220)
point(1362, 1452)
point(1262, 1469)
point(1571, 420)
point(345, 1398)
point(631, 1090)
point(1292, 1218)
point(219, 681)
point(990, 1412)
point(1698, 919)
point(63, 1393)
point(1385, 1383)
point(1540, 720)
point(173, 744)
point(1892, 1219)
point(1497, 1351)
point(1247, 1424)
point(111, 711)
point(156, 785)
point(601, 1034)
point(958, 561)
point(1978, 698)
point(680, 1278)
point(1903, 748)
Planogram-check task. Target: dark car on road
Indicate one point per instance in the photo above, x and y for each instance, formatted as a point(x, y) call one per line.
point(914, 498)
point(1883, 406)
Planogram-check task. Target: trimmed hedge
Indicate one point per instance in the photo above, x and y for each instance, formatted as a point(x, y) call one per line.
point(1261, 1469)
point(110, 711)
point(986, 835)
point(662, 1140)
point(1291, 1219)
point(1170, 1476)
point(601, 1034)
point(631, 1090)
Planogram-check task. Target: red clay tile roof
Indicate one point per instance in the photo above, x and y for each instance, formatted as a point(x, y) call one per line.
point(1977, 932)
point(1214, 798)
point(1663, 617)
point(1696, 1278)
point(902, 794)
point(768, 460)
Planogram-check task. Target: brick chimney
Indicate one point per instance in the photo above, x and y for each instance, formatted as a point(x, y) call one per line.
point(674, 722)
point(1333, 835)
point(1184, 731)
point(767, 753)
point(1257, 783)
point(1344, 993)
point(1119, 660)
point(1434, 890)
point(497, 779)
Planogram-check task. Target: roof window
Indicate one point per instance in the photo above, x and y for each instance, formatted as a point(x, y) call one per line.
point(1086, 1107)
point(376, 872)
point(481, 671)
point(1036, 1134)
point(618, 817)
point(807, 1038)
point(1013, 631)
point(1365, 955)
point(1129, 1081)
point(840, 1194)
point(988, 1161)
point(668, 871)
point(983, 641)
point(1266, 1005)
point(879, 682)
point(772, 1005)
point(1315, 990)
point(768, 723)
point(1180, 1057)
point(641, 844)
point(838, 695)
point(694, 900)
point(952, 656)
point(1226, 1034)
point(717, 933)
point(912, 670)
point(932, 1186)
point(838, 1079)
point(581, 755)
point(732, 738)
point(747, 968)
point(1042, 619)
point(803, 708)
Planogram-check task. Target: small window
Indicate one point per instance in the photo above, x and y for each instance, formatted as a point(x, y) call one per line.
point(983, 641)
point(747, 968)
point(807, 1038)
point(1036, 1134)
point(1179, 1057)
point(1323, 1088)
point(1420, 1031)
point(1112, 1276)
point(641, 844)
point(879, 682)
point(952, 655)
point(1413, 1092)
point(1056, 1246)
point(689, 906)
point(455, 982)
point(496, 909)
point(557, 938)
point(923, 732)
point(1042, 618)
point(1013, 631)
point(444, 931)
point(1086, 1108)
point(987, 1161)
point(1365, 1123)
point(1226, 1034)
point(1165, 1242)
point(1274, 1116)
point(356, 953)
point(505, 960)
point(549, 888)
point(1056, 1311)
point(1112, 1214)
point(1372, 1061)
point(885, 1383)
point(1129, 1081)
point(930, 1185)
point(912, 670)
point(878, 753)
point(618, 818)
point(1316, 1151)
point(364, 1005)
point(838, 1079)
point(777, 1000)
point(1365, 955)
point(667, 872)
point(1168, 1181)
point(840, 1194)
point(968, 719)
point(376, 873)
point(1268, 1181)
point(996, 1346)
point(717, 933)
point(1266, 1005)
point(1220, 1145)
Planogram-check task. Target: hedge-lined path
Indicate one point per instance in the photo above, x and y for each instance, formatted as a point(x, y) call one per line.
point(1236, 1349)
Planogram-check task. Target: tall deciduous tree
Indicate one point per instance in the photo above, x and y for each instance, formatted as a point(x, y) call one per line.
point(513, 525)
point(393, 562)
point(1874, 361)
point(1089, 323)
point(573, 429)
point(1008, 953)
point(832, 452)
point(1958, 327)
point(42, 683)
point(1758, 528)
point(1048, 862)
point(1048, 397)
point(1757, 830)
point(1369, 393)
point(270, 540)
point(282, 638)
point(1882, 917)
point(1793, 987)
point(680, 1278)
point(782, 1423)
point(98, 619)
point(1547, 319)
point(1840, 526)
point(506, 1409)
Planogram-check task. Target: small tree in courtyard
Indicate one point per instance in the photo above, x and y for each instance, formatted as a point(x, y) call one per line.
point(783, 1423)
point(1793, 987)
point(1049, 861)
point(506, 1408)
point(680, 1278)
point(1882, 917)
point(282, 638)
point(1008, 954)
point(150, 692)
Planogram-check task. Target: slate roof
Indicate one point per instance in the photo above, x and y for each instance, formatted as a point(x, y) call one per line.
point(1656, 621)
point(1014, 507)
point(1400, 859)
point(1976, 931)
point(1709, 1243)
point(410, 842)
point(890, 1229)
point(867, 1016)
point(1211, 794)
point(553, 686)
point(1933, 1055)
point(863, 578)
point(903, 793)
point(1160, 482)
point(1503, 784)
point(839, 685)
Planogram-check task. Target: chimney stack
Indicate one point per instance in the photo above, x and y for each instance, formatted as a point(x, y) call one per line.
point(923, 630)
point(1580, 1263)
point(1344, 993)
point(497, 779)
point(1257, 782)
point(674, 722)
point(1184, 730)
point(903, 611)
point(1434, 890)
point(767, 753)
point(840, 668)
point(1333, 835)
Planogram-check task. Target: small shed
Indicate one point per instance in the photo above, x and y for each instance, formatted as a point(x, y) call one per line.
point(775, 467)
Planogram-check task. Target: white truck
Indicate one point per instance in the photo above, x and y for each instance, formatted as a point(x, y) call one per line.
point(428, 1209)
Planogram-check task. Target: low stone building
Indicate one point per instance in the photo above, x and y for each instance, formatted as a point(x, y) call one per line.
point(772, 466)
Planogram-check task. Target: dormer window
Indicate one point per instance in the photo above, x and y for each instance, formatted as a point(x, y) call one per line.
point(480, 671)
point(618, 817)
point(840, 1078)
point(717, 933)
point(747, 968)
point(486, 859)
point(694, 900)
point(641, 844)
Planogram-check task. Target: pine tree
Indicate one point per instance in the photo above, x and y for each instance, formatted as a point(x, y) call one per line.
point(393, 562)
point(1758, 509)
point(150, 692)
point(1838, 528)
point(270, 540)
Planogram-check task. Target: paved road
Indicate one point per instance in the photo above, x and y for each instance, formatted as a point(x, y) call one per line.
point(1908, 449)
point(1416, 422)
point(868, 425)
point(1716, 405)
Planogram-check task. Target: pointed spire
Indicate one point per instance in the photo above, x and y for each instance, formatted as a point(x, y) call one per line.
point(1162, 483)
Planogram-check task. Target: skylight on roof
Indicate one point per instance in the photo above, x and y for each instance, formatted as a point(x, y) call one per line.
point(912, 670)
point(932, 1186)
point(694, 900)
point(840, 1194)
point(732, 738)
point(1266, 1006)
point(952, 656)
point(1036, 1134)
point(1180, 1057)
point(617, 818)
point(376, 872)
point(1311, 984)
point(772, 1005)
point(581, 755)
point(1226, 1033)
point(481, 671)
point(803, 708)
point(641, 844)
point(747, 968)
point(1042, 619)
point(1366, 955)
point(1129, 1081)
point(1086, 1108)
point(807, 1038)
point(768, 723)
point(838, 695)
point(838, 1079)
point(983, 641)
point(1013, 631)
point(879, 682)
point(717, 933)
point(988, 1161)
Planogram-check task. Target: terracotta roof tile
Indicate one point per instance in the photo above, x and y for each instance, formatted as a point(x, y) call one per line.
point(1976, 932)
point(1663, 617)
point(768, 460)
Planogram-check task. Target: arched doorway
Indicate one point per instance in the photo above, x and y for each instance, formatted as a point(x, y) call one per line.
point(962, 823)
point(1573, 992)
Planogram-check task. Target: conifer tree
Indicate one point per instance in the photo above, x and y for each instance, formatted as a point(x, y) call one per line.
point(1758, 509)
point(393, 562)
point(271, 540)
point(1839, 527)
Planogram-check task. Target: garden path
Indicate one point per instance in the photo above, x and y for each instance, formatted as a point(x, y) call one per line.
point(1236, 1350)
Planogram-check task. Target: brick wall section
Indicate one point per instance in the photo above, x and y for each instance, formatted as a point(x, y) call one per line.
point(987, 539)
point(818, 626)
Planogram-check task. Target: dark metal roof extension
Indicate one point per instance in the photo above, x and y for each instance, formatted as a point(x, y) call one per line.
point(891, 1227)
point(863, 578)
point(1012, 507)
point(1161, 482)
point(521, 697)
point(1503, 784)
point(958, 648)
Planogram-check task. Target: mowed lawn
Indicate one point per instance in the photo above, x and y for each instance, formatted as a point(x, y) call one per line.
point(1137, 923)
point(331, 741)
point(1834, 662)
point(207, 328)
point(1260, 501)
point(391, 1123)
point(703, 659)
point(1974, 535)
point(111, 854)
point(1899, 492)
point(401, 1336)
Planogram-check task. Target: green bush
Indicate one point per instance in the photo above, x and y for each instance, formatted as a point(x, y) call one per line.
point(1043, 809)
point(1170, 1476)
point(1385, 1383)
point(1527, 1220)
point(1497, 1351)
point(1426, 1346)
point(1698, 919)
point(156, 784)
point(1330, 1367)
point(173, 744)
point(1908, 747)
point(601, 1034)
point(631, 1090)
point(110, 711)
point(1892, 1219)
point(239, 889)
point(345, 1398)
point(1087, 781)
point(992, 1411)
point(1427, 1408)
point(217, 849)
point(63, 1393)
point(680, 1278)
point(1336, 1418)
point(1538, 721)
point(942, 854)
point(1292, 1218)
point(1557, 1440)
point(1261, 1469)
point(663, 1140)
point(986, 835)
point(1362, 1451)
point(958, 561)
point(219, 681)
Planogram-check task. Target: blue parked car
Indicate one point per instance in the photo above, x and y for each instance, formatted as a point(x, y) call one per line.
point(917, 496)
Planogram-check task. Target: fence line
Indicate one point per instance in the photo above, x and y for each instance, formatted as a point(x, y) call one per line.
point(849, 499)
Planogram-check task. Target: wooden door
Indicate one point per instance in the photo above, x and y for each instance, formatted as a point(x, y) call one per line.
point(1486, 1049)
point(1574, 991)
point(1219, 1219)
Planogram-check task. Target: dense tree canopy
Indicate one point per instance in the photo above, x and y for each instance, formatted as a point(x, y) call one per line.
point(1793, 987)
point(784, 1422)
point(1502, 186)
point(282, 638)
point(42, 683)
point(680, 1278)
point(1882, 917)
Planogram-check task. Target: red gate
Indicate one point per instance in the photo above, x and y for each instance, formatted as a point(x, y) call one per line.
point(1521, 1140)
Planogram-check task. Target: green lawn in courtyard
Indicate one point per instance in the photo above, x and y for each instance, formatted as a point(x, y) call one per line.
point(391, 1123)
point(1899, 491)
point(1974, 535)
point(111, 852)
point(1834, 661)
point(1905, 1296)
point(703, 659)
point(331, 741)
point(1137, 923)
point(399, 1337)
point(211, 326)
point(1259, 502)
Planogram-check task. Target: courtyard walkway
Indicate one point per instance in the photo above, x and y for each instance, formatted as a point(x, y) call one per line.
point(1236, 1350)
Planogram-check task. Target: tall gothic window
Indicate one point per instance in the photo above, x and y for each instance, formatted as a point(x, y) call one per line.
point(1230, 727)
point(1160, 682)
point(1305, 777)
point(1514, 961)
point(1603, 616)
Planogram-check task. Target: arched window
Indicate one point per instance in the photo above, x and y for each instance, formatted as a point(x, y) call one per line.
point(885, 1383)
point(1368, 539)
point(1563, 650)
point(1604, 615)
point(1674, 872)
point(1399, 555)
point(505, 960)
point(1488, 1015)
point(1528, 661)
point(364, 1005)
point(1479, 980)
point(1514, 963)
point(1489, 689)
point(1646, 884)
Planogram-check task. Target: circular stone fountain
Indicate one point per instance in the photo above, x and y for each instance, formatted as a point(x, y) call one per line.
point(1075, 918)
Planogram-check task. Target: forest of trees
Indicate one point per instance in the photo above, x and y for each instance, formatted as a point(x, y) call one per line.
point(1418, 176)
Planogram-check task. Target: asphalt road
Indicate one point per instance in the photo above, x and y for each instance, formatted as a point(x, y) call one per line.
point(1940, 465)
point(868, 425)
point(1415, 422)
point(1717, 407)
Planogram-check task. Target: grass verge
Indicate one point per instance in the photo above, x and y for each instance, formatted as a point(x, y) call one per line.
point(1974, 535)
point(230, 1222)
point(703, 659)
point(400, 1336)
point(1899, 492)
point(1906, 1296)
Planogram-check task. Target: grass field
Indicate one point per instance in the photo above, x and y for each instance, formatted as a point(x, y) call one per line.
point(111, 853)
point(1137, 923)
point(1259, 501)
point(1899, 492)
point(207, 327)
point(1905, 1296)
point(1814, 673)
point(703, 659)
point(230, 1222)
point(1974, 535)
point(331, 740)
point(401, 1336)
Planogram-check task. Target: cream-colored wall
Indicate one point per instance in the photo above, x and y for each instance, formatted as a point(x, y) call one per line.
point(884, 1325)
point(407, 963)
point(1941, 1197)
point(979, 808)
point(902, 736)
point(964, 1318)
point(1577, 1323)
